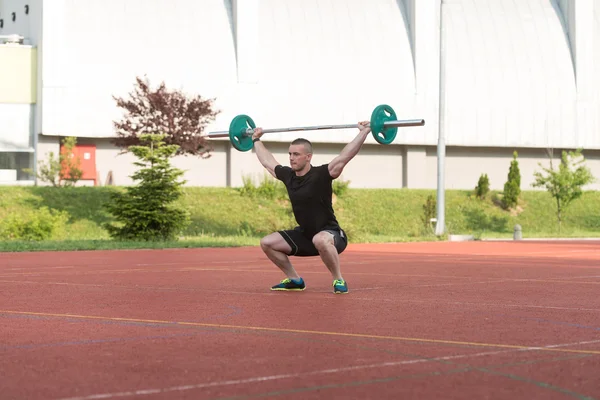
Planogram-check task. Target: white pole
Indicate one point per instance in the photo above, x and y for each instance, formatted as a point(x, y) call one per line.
point(440, 226)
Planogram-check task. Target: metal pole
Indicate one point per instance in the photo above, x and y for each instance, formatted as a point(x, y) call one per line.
point(440, 226)
point(387, 124)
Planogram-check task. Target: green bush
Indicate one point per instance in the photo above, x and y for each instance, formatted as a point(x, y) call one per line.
point(429, 211)
point(565, 183)
point(34, 225)
point(248, 188)
point(340, 187)
point(483, 187)
point(268, 188)
point(147, 211)
point(512, 187)
point(62, 171)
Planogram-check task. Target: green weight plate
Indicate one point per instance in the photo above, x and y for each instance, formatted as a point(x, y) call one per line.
point(237, 132)
point(380, 115)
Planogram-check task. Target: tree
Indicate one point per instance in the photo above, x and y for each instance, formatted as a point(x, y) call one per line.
point(62, 171)
point(483, 186)
point(180, 118)
point(512, 187)
point(565, 183)
point(429, 209)
point(145, 210)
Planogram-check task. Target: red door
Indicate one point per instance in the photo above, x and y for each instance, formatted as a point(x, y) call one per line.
point(87, 157)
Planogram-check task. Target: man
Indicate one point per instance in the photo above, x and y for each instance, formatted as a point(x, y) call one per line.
point(310, 192)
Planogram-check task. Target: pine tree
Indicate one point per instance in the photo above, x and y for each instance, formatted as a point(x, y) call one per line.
point(512, 187)
point(483, 186)
point(145, 211)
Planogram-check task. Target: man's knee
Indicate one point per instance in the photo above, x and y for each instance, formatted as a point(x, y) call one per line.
point(267, 242)
point(275, 242)
point(323, 240)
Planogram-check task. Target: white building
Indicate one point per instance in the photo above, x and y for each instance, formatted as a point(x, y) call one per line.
point(515, 75)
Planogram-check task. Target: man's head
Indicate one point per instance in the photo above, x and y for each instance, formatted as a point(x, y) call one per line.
point(300, 154)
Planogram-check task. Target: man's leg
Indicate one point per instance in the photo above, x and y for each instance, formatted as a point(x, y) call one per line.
point(325, 244)
point(277, 249)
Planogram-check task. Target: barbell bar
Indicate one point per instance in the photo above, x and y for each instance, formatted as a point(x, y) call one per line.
point(384, 127)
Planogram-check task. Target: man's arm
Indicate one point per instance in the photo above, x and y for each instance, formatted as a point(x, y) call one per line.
point(336, 166)
point(264, 156)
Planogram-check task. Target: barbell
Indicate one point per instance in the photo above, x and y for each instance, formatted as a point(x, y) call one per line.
point(383, 123)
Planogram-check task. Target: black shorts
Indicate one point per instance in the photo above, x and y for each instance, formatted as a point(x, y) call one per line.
point(302, 246)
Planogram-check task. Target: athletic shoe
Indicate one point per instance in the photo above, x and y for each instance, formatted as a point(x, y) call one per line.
point(340, 286)
point(289, 284)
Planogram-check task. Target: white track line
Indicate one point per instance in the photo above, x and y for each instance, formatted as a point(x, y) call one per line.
point(143, 392)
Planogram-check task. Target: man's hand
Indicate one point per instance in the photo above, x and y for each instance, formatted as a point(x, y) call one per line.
point(258, 132)
point(364, 127)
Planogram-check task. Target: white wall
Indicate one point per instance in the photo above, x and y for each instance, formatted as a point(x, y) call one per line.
point(47, 144)
point(596, 40)
point(315, 62)
point(509, 75)
point(510, 67)
point(206, 172)
point(15, 127)
point(94, 49)
point(518, 73)
point(594, 134)
point(375, 166)
point(331, 62)
point(578, 21)
point(30, 27)
point(464, 166)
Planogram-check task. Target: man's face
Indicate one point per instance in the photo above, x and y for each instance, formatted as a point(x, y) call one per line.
point(299, 157)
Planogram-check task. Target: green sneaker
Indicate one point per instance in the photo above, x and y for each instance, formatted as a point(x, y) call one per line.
point(290, 284)
point(340, 286)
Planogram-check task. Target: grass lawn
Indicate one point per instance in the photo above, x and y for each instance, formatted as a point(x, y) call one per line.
point(239, 216)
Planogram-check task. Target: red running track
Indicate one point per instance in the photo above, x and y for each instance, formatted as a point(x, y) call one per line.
point(493, 320)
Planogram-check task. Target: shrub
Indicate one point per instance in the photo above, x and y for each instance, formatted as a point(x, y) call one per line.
point(512, 187)
point(34, 225)
point(340, 187)
point(565, 183)
point(268, 188)
point(483, 187)
point(62, 171)
point(145, 211)
point(429, 211)
point(248, 188)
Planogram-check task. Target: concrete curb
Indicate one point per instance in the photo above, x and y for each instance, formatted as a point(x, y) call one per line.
point(538, 239)
point(460, 238)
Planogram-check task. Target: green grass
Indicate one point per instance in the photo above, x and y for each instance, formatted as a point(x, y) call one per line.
point(239, 217)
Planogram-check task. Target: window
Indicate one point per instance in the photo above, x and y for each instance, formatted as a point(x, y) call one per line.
point(12, 166)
